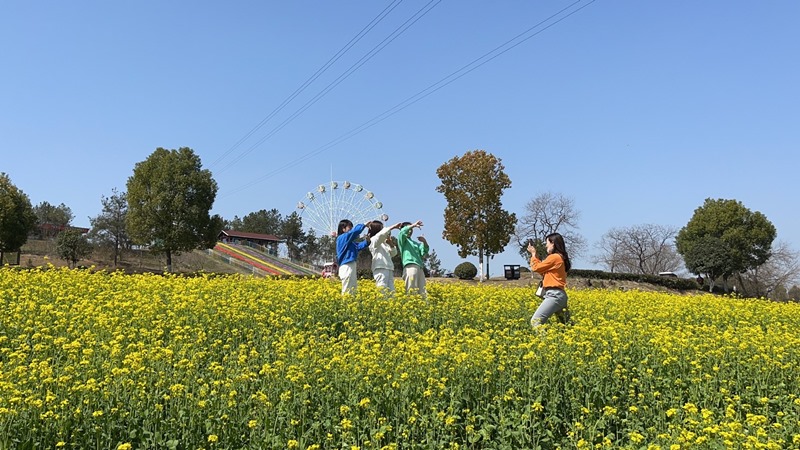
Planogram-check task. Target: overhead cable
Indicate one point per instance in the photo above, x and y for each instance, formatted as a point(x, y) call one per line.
point(464, 70)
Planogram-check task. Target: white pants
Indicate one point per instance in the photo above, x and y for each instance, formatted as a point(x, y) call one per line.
point(384, 278)
point(414, 277)
point(349, 277)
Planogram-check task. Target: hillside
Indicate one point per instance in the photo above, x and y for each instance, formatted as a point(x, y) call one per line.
point(37, 253)
point(573, 282)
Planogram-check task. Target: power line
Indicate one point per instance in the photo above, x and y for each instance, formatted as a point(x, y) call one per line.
point(343, 76)
point(464, 70)
point(353, 41)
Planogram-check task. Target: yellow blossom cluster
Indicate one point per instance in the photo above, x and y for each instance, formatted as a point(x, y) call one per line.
point(107, 360)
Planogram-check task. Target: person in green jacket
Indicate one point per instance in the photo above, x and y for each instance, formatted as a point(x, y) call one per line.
point(412, 254)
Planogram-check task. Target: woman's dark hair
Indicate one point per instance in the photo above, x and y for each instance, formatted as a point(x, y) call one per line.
point(344, 223)
point(373, 228)
point(559, 247)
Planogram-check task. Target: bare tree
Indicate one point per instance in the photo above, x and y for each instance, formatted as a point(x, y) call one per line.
point(611, 254)
point(646, 249)
point(550, 213)
point(780, 270)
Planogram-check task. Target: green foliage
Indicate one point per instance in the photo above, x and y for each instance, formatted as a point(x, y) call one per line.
point(433, 264)
point(51, 219)
point(474, 219)
point(109, 228)
point(169, 199)
point(17, 219)
point(724, 238)
point(72, 246)
point(465, 271)
point(291, 231)
point(262, 221)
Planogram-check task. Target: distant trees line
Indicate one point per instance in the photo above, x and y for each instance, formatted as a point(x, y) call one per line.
point(166, 208)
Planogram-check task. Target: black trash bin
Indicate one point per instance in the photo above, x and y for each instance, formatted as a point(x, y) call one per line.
point(511, 271)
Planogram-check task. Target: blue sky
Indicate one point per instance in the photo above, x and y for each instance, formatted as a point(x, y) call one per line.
point(636, 110)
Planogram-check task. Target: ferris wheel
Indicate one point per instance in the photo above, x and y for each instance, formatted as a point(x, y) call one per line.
point(323, 208)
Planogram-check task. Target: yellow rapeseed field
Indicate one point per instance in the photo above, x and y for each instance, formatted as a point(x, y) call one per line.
point(112, 361)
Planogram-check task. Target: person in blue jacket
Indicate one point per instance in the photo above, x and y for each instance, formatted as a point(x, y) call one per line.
point(346, 253)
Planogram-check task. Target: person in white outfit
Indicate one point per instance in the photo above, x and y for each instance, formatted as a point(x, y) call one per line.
point(383, 248)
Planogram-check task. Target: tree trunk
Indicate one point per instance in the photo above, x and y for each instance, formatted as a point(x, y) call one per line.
point(480, 264)
point(169, 260)
point(116, 251)
point(711, 282)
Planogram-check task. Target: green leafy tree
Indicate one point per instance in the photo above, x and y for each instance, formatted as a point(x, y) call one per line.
point(109, 228)
point(72, 246)
point(434, 264)
point(724, 238)
point(52, 220)
point(474, 219)
point(234, 224)
point(169, 200)
point(263, 221)
point(292, 232)
point(319, 250)
point(17, 219)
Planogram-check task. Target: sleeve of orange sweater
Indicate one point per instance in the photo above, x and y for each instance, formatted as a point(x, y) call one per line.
point(552, 269)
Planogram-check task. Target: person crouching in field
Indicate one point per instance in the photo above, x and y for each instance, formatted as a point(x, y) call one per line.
point(383, 248)
point(412, 254)
point(554, 270)
point(346, 253)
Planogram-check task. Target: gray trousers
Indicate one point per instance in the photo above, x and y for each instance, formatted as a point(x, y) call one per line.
point(554, 301)
point(414, 277)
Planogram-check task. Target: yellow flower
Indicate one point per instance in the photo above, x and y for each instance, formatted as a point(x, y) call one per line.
point(609, 410)
point(635, 437)
point(213, 438)
point(125, 446)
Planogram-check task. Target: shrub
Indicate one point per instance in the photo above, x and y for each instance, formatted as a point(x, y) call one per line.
point(668, 282)
point(465, 271)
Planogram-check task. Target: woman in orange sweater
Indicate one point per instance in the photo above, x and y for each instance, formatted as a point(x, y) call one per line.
point(554, 270)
